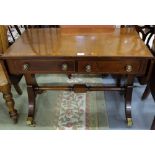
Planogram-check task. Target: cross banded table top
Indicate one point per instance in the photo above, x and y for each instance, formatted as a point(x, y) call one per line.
point(79, 42)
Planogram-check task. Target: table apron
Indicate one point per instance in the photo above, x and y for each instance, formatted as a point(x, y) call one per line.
point(71, 66)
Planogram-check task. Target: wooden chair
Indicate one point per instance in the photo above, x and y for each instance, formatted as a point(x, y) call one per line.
point(5, 88)
point(147, 33)
point(4, 44)
point(6, 79)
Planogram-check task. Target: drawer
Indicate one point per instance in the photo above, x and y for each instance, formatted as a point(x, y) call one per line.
point(109, 66)
point(41, 66)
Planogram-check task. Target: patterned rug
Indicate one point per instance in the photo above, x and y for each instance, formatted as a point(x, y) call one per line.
point(60, 109)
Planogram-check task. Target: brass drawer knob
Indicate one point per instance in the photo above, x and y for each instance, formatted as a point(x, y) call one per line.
point(26, 67)
point(64, 67)
point(88, 68)
point(129, 68)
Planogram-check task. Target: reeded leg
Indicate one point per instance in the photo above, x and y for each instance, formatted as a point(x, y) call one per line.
point(128, 98)
point(31, 83)
point(146, 92)
point(7, 95)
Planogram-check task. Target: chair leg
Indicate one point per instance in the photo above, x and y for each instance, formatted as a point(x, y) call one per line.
point(153, 124)
point(146, 92)
point(7, 95)
point(18, 89)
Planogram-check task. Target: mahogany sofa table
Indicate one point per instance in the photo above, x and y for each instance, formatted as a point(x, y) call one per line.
point(82, 51)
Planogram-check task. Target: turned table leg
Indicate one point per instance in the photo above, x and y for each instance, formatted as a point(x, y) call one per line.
point(7, 95)
point(128, 98)
point(31, 83)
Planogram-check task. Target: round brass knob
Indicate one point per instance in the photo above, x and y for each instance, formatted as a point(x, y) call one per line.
point(64, 67)
point(26, 67)
point(88, 68)
point(129, 68)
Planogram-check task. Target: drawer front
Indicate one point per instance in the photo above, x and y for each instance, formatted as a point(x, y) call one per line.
point(41, 66)
point(115, 66)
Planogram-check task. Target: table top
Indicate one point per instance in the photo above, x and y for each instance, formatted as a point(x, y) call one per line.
point(78, 42)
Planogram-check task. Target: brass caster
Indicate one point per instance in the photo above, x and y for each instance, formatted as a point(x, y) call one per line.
point(33, 125)
point(30, 122)
point(129, 122)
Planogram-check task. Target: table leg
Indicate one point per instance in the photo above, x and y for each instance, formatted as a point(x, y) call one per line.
point(31, 83)
point(7, 95)
point(128, 98)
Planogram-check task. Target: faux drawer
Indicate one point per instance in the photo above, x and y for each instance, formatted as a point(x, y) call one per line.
point(108, 66)
point(41, 66)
